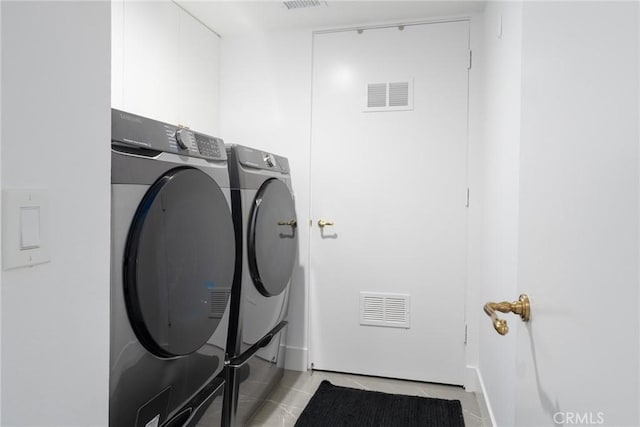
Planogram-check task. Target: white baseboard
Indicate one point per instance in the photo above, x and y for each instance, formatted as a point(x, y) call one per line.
point(296, 358)
point(474, 383)
point(471, 382)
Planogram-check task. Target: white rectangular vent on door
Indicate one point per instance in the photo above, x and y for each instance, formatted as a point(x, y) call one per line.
point(384, 309)
point(393, 96)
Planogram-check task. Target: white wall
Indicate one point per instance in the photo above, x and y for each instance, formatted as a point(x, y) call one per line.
point(56, 135)
point(266, 103)
point(579, 209)
point(493, 215)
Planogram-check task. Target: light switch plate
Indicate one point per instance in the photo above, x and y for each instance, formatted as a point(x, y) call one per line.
point(25, 228)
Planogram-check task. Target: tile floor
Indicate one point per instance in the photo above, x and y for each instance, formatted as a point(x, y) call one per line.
point(296, 388)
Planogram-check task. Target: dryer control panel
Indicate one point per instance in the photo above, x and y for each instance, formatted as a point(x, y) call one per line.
point(143, 133)
point(262, 160)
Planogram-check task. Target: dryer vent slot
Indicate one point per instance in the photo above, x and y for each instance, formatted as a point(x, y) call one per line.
point(218, 302)
point(384, 309)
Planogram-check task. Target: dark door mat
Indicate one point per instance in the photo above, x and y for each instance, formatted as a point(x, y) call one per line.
point(333, 406)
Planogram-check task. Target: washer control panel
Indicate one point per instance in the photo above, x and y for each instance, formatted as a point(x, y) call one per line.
point(140, 132)
point(209, 146)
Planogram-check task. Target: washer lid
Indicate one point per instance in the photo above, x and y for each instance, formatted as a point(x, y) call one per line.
point(272, 238)
point(179, 262)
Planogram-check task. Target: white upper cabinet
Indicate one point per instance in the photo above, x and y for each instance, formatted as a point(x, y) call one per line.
point(150, 49)
point(198, 76)
point(165, 65)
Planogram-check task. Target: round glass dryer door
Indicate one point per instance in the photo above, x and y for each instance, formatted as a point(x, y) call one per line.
point(179, 263)
point(272, 238)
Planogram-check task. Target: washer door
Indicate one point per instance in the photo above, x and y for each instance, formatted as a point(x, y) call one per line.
point(179, 262)
point(272, 238)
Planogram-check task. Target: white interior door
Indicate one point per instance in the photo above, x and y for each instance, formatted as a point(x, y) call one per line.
point(393, 182)
point(577, 359)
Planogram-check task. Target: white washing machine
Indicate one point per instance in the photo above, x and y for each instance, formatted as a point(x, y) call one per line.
point(172, 266)
point(266, 252)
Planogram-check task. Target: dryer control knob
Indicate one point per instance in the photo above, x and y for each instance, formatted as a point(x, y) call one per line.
point(271, 161)
point(181, 138)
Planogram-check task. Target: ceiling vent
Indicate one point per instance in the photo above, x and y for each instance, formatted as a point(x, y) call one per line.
point(384, 309)
point(301, 4)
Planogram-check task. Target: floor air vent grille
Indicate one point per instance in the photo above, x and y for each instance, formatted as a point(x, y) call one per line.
point(384, 309)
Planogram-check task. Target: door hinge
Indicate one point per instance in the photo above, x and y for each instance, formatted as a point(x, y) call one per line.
point(465, 333)
point(470, 59)
point(467, 203)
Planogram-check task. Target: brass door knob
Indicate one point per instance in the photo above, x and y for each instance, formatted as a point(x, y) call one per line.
point(292, 223)
point(322, 223)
